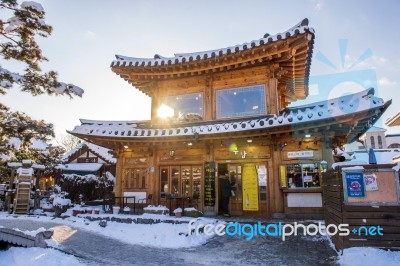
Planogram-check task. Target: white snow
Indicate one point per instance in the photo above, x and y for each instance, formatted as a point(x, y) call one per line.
point(88, 167)
point(162, 235)
point(383, 156)
point(366, 256)
point(337, 107)
point(101, 151)
point(37, 257)
point(33, 5)
point(352, 162)
point(353, 168)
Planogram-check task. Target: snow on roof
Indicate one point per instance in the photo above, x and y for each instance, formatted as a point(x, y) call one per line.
point(101, 151)
point(383, 156)
point(345, 105)
point(158, 60)
point(352, 162)
point(375, 129)
point(84, 167)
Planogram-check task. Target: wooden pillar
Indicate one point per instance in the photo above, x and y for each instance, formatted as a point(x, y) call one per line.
point(275, 192)
point(155, 103)
point(272, 96)
point(209, 100)
point(327, 149)
point(119, 173)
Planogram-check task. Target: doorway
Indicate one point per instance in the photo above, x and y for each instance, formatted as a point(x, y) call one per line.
point(235, 175)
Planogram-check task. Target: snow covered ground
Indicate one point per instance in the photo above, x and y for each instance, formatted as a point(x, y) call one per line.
point(155, 235)
point(165, 235)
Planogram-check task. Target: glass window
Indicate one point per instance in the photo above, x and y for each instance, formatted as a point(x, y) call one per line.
point(262, 181)
point(181, 181)
point(239, 102)
point(164, 182)
point(135, 178)
point(380, 142)
point(372, 142)
point(186, 107)
point(302, 175)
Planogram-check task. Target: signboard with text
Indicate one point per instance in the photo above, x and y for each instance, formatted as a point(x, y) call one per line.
point(250, 187)
point(209, 184)
point(355, 185)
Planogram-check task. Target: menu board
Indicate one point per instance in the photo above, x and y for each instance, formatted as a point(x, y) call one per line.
point(209, 184)
point(250, 187)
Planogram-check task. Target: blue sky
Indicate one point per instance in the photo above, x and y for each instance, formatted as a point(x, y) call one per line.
point(87, 34)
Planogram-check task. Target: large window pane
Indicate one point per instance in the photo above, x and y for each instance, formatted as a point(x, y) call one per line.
point(238, 102)
point(186, 107)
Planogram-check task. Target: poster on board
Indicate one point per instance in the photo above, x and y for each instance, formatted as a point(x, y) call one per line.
point(250, 187)
point(355, 185)
point(371, 183)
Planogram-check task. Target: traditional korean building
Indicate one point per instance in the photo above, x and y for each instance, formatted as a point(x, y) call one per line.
point(227, 109)
point(88, 158)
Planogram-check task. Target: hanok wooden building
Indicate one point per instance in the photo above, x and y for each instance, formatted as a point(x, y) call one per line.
point(226, 109)
point(87, 158)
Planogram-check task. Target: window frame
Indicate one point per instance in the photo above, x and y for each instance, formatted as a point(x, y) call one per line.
point(218, 102)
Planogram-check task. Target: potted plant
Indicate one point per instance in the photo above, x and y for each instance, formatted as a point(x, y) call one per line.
point(178, 212)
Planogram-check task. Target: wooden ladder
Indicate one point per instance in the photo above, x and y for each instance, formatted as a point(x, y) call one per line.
point(23, 189)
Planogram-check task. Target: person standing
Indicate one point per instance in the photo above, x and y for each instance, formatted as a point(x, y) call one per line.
point(226, 189)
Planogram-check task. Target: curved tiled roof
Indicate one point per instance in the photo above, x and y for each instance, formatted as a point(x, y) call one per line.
point(288, 54)
point(179, 58)
point(364, 101)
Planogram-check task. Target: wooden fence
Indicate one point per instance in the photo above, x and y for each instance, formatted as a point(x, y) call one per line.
point(336, 212)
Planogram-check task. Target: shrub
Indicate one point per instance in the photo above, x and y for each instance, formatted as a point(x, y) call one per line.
point(91, 187)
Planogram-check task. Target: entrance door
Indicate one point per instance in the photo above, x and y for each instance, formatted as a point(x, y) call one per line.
point(235, 175)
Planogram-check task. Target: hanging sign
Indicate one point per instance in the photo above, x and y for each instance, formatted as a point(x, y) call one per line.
point(250, 187)
point(209, 184)
point(300, 154)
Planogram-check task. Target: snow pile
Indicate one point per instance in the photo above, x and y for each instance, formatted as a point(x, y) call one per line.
point(37, 257)
point(160, 235)
point(358, 256)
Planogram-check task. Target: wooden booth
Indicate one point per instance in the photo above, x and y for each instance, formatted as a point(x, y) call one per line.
point(227, 109)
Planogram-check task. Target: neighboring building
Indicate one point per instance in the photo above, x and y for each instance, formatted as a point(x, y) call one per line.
point(227, 109)
point(88, 158)
point(383, 156)
point(374, 138)
point(393, 141)
point(393, 121)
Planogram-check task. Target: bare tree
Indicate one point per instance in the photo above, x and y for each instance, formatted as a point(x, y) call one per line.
point(69, 142)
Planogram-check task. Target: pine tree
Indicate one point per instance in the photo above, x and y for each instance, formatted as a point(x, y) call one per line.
point(17, 43)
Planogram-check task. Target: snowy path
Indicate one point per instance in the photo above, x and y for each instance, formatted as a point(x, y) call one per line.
point(95, 249)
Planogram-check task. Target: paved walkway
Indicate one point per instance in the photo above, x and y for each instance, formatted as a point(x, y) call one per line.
point(95, 249)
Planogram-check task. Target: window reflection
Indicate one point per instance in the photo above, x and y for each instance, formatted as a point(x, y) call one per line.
point(185, 107)
point(238, 102)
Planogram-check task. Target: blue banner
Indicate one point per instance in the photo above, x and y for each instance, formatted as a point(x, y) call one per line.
point(355, 185)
